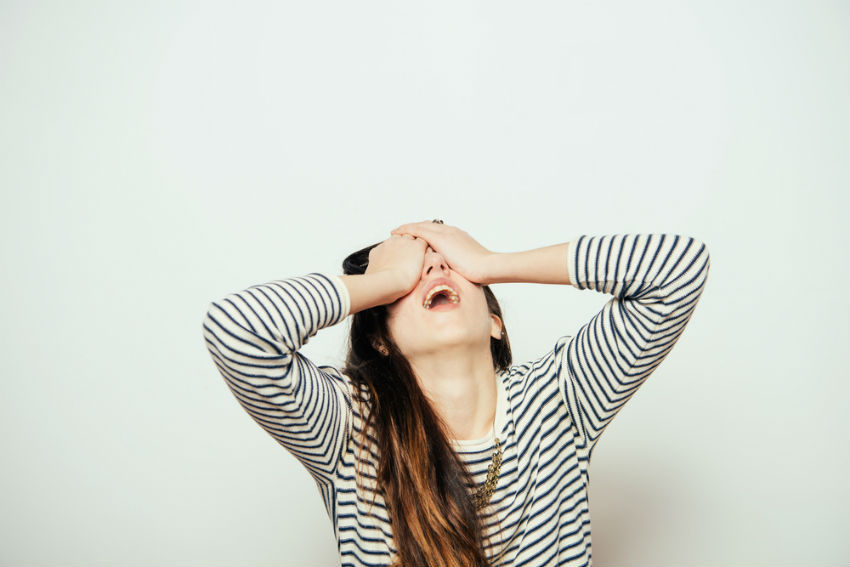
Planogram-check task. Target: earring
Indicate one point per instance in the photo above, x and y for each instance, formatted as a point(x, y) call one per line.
point(383, 350)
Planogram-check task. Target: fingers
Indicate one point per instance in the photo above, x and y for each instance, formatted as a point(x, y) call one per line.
point(420, 225)
point(420, 229)
point(410, 237)
point(427, 231)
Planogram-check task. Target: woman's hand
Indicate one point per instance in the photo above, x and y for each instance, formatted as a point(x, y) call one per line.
point(394, 270)
point(402, 257)
point(463, 253)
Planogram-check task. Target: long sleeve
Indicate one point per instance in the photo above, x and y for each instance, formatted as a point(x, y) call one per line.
point(656, 281)
point(254, 336)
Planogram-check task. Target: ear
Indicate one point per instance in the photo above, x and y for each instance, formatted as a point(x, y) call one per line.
point(495, 326)
point(380, 347)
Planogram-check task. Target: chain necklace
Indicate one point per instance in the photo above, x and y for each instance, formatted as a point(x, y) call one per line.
point(482, 496)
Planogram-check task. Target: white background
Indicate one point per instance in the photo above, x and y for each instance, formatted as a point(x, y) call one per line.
point(157, 156)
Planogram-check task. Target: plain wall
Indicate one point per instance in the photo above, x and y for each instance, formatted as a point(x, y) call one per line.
point(158, 156)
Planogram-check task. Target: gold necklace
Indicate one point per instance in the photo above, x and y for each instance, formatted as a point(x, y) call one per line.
point(482, 496)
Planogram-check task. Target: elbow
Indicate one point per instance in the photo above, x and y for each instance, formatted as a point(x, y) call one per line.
point(697, 276)
point(212, 307)
point(704, 256)
point(211, 321)
point(700, 253)
point(688, 280)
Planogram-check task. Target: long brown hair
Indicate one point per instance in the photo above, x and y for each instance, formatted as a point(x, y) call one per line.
point(423, 480)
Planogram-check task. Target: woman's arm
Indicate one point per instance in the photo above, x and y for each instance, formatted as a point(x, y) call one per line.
point(253, 337)
point(542, 265)
point(656, 281)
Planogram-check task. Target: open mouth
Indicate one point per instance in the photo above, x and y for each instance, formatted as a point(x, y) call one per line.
point(440, 295)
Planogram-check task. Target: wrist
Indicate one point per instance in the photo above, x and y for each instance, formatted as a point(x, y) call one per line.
point(397, 284)
point(492, 268)
point(546, 265)
point(372, 289)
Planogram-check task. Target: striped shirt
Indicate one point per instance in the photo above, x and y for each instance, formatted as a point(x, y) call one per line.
point(550, 412)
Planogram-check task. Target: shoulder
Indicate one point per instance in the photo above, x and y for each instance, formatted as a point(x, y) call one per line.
point(358, 396)
point(540, 372)
point(545, 365)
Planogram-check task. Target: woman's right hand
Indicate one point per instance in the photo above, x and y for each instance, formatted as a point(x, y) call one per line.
point(394, 270)
point(402, 256)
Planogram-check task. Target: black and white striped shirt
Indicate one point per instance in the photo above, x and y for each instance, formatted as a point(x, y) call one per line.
point(550, 412)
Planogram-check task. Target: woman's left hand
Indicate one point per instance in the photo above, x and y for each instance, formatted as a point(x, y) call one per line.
point(462, 252)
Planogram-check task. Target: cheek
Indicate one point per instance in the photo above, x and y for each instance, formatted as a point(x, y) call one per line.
point(401, 308)
point(400, 320)
point(481, 304)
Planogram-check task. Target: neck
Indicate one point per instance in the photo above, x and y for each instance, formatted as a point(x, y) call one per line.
point(462, 387)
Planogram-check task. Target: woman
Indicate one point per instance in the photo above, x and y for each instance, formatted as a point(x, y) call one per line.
point(429, 447)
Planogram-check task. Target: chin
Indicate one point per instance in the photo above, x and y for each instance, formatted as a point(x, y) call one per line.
point(444, 342)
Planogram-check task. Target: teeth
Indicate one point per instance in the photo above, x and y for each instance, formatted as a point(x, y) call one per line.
point(437, 289)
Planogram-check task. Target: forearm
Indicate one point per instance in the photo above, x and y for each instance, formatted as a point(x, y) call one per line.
point(275, 318)
point(371, 290)
point(547, 265)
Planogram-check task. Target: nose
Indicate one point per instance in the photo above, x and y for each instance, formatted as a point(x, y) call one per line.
point(435, 261)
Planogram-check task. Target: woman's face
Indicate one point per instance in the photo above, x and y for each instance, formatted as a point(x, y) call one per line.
point(444, 310)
